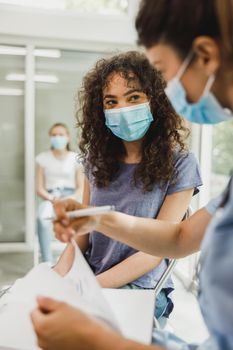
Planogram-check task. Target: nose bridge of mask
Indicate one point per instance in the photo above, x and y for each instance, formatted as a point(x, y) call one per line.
point(126, 109)
point(59, 138)
point(127, 115)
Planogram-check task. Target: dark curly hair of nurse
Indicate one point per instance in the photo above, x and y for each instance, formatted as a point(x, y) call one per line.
point(102, 151)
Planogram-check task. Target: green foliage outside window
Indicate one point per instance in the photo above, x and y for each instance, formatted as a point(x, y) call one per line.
point(222, 158)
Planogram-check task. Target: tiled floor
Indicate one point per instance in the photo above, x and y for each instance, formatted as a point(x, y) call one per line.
point(185, 320)
point(13, 266)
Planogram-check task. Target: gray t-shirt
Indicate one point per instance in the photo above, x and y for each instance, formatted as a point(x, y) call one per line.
point(104, 252)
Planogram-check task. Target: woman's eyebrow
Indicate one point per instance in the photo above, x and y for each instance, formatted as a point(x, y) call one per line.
point(131, 91)
point(126, 94)
point(110, 96)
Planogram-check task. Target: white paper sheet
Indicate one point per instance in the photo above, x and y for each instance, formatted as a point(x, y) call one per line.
point(78, 288)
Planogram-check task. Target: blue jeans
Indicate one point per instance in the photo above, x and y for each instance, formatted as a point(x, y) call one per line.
point(161, 303)
point(44, 227)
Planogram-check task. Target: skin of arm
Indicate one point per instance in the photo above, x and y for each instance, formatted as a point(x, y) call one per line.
point(40, 184)
point(79, 181)
point(66, 259)
point(155, 237)
point(140, 263)
point(60, 326)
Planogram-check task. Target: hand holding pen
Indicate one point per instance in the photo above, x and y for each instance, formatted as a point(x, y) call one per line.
point(72, 217)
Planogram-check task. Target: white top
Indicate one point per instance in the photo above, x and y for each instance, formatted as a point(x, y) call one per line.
point(59, 173)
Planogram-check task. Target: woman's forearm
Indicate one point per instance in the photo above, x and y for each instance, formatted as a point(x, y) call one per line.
point(128, 270)
point(156, 237)
point(43, 194)
point(40, 184)
point(135, 266)
point(66, 259)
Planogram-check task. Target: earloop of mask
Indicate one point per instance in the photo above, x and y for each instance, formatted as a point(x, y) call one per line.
point(185, 65)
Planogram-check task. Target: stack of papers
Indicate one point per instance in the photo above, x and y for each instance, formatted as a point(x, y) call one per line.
point(78, 288)
point(129, 312)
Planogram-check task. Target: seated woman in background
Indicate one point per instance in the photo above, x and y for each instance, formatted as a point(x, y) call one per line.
point(58, 175)
point(135, 158)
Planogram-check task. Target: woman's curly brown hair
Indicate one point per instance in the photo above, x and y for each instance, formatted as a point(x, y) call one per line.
point(102, 151)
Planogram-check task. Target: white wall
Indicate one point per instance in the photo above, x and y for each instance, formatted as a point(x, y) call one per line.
point(86, 29)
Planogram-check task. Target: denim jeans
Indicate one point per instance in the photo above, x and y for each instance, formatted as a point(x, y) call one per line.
point(44, 227)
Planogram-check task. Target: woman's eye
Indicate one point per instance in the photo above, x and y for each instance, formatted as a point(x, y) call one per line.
point(134, 97)
point(110, 102)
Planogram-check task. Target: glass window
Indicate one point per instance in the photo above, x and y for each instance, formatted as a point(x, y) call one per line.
point(57, 82)
point(222, 160)
point(99, 6)
point(12, 185)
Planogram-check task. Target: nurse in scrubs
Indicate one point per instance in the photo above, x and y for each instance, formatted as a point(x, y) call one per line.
point(203, 32)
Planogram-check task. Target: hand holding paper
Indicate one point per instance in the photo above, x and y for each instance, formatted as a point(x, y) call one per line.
point(65, 327)
point(78, 288)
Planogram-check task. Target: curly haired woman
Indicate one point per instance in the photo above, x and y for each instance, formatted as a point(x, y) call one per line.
point(135, 158)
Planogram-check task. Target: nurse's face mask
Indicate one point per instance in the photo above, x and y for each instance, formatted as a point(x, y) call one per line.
point(207, 110)
point(129, 123)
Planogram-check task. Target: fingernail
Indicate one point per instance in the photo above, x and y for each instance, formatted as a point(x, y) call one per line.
point(64, 222)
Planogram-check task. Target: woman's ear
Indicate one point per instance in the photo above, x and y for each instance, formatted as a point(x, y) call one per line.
point(207, 53)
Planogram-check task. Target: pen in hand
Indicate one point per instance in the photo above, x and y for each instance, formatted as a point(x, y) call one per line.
point(85, 212)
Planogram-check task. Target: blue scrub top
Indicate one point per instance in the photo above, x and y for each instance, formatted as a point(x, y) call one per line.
point(216, 281)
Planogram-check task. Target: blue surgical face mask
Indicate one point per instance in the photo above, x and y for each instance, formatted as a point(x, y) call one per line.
point(206, 111)
point(129, 123)
point(58, 142)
